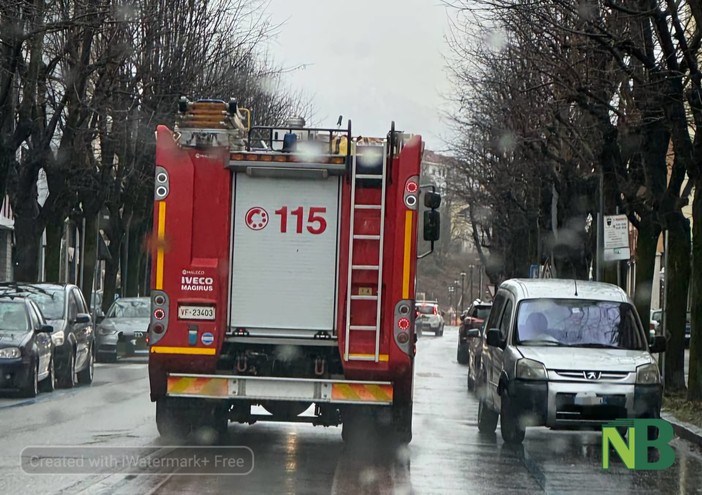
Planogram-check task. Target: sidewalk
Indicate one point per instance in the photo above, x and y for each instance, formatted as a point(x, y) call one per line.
point(686, 431)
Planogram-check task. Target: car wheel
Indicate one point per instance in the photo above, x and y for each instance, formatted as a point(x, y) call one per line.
point(85, 376)
point(512, 430)
point(49, 383)
point(470, 382)
point(462, 354)
point(487, 418)
point(68, 378)
point(31, 388)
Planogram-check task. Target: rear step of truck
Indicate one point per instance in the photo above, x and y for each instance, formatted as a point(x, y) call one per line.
point(357, 240)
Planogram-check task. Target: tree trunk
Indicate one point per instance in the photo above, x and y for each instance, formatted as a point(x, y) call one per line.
point(27, 250)
point(646, 245)
point(111, 271)
point(677, 279)
point(134, 257)
point(89, 254)
point(694, 390)
point(54, 234)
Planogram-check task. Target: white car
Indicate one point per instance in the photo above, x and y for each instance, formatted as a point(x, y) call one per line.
point(428, 318)
point(564, 354)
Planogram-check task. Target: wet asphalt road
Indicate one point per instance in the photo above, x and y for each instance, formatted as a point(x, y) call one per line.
point(447, 455)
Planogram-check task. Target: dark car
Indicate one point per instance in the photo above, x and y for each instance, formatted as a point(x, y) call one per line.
point(26, 349)
point(64, 307)
point(471, 319)
point(127, 322)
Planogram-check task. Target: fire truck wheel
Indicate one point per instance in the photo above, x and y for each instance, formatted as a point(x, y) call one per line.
point(171, 422)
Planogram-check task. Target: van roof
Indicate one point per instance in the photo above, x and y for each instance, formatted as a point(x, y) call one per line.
point(534, 288)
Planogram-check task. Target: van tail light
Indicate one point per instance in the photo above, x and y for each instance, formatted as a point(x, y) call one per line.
point(436, 311)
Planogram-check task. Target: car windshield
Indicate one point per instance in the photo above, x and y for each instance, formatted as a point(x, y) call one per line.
point(426, 309)
point(578, 323)
point(130, 308)
point(13, 317)
point(51, 303)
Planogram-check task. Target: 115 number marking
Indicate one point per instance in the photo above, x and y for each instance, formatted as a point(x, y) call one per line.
point(316, 223)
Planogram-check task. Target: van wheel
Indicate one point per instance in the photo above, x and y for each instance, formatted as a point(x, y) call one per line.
point(487, 418)
point(512, 431)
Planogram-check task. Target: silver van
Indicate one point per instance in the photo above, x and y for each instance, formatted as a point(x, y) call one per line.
point(565, 354)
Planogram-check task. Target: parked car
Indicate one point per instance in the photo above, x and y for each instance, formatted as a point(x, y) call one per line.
point(476, 344)
point(126, 323)
point(473, 319)
point(65, 309)
point(26, 349)
point(428, 318)
point(564, 354)
point(656, 325)
point(96, 305)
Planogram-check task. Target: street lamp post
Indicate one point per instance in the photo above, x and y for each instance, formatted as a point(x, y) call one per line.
point(463, 289)
point(471, 283)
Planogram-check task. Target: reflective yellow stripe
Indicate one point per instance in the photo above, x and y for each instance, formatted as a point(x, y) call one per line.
point(381, 357)
point(361, 392)
point(183, 350)
point(185, 385)
point(159, 250)
point(408, 252)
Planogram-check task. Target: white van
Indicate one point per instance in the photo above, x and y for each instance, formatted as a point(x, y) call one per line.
point(563, 354)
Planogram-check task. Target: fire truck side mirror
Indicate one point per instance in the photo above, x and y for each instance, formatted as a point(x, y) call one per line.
point(432, 200)
point(432, 225)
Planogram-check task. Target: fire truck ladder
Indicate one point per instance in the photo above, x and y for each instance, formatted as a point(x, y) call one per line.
point(359, 239)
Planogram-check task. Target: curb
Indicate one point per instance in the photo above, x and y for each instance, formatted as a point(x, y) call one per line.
point(684, 430)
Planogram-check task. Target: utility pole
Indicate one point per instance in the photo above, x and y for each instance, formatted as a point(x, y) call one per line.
point(600, 230)
point(471, 284)
point(480, 284)
point(463, 289)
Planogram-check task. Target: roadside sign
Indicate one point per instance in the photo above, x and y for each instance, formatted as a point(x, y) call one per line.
point(616, 238)
point(534, 271)
point(491, 290)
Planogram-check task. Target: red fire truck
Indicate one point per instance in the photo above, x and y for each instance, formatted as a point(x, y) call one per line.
point(283, 273)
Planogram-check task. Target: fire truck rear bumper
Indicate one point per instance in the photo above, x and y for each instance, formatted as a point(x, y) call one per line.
point(255, 388)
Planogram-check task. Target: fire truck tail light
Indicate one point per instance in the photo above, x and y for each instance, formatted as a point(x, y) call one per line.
point(411, 192)
point(159, 316)
point(403, 323)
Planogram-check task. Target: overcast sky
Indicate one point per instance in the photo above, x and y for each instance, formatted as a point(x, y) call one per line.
point(372, 61)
